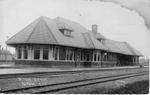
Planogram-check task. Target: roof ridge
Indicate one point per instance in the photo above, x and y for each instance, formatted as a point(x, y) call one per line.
point(85, 38)
point(33, 30)
point(91, 40)
point(49, 30)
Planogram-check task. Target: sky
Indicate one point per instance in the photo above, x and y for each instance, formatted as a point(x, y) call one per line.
point(142, 7)
point(121, 20)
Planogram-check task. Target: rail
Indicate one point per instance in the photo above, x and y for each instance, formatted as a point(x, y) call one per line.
point(51, 88)
point(39, 74)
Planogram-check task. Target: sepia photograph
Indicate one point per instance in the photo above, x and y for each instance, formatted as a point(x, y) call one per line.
point(74, 46)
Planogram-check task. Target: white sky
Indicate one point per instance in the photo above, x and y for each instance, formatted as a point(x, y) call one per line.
point(113, 21)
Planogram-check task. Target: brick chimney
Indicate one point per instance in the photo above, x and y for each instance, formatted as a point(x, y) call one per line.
point(94, 28)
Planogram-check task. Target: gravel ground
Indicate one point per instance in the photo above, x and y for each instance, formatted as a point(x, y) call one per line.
point(13, 83)
point(102, 88)
point(138, 87)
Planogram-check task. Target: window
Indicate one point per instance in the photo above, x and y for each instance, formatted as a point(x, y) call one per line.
point(103, 41)
point(69, 54)
point(99, 56)
point(25, 52)
point(79, 54)
point(19, 53)
point(95, 56)
point(111, 57)
point(88, 57)
point(62, 53)
point(64, 28)
point(37, 53)
point(67, 32)
point(82, 55)
point(45, 53)
point(55, 53)
point(105, 56)
point(100, 40)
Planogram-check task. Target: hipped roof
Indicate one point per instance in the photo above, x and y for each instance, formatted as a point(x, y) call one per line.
point(46, 31)
point(121, 47)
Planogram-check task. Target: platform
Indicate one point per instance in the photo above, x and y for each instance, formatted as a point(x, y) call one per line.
point(44, 69)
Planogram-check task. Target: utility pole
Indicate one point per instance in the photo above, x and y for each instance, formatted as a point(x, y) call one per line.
point(6, 52)
point(0, 52)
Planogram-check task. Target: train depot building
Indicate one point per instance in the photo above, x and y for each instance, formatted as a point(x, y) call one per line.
point(60, 42)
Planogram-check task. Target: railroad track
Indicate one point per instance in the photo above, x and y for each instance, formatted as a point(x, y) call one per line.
point(53, 88)
point(50, 74)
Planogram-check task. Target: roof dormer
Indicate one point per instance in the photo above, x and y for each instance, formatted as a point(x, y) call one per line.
point(65, 32)
point(64, 28)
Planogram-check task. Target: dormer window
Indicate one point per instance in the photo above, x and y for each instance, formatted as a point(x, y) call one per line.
point(102, 41)
point(67, 33)
point(65, 28)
